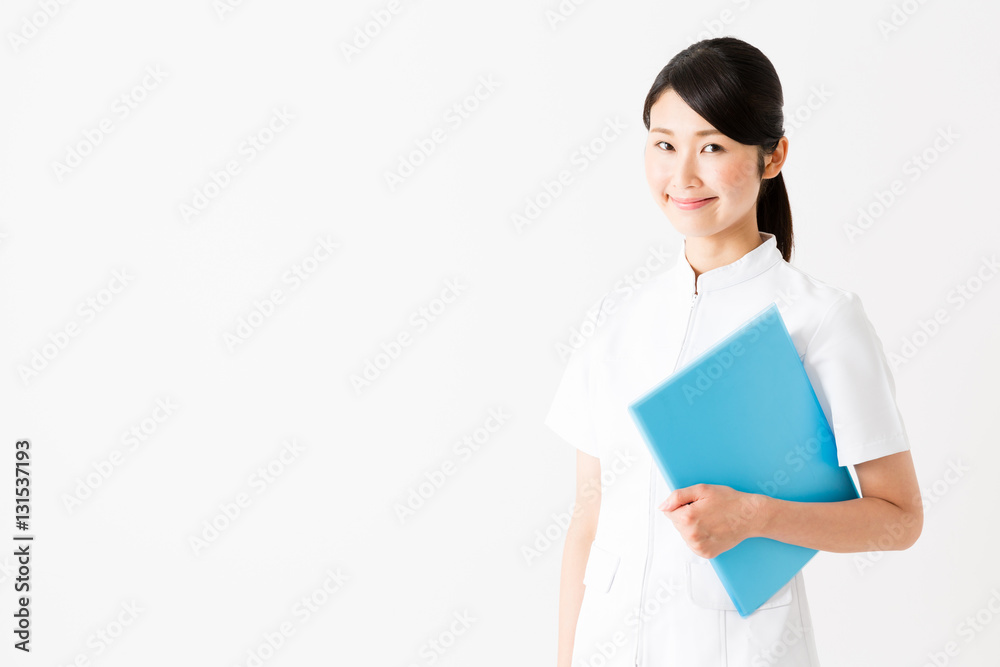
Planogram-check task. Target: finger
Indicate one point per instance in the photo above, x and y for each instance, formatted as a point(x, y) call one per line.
point(678, 498)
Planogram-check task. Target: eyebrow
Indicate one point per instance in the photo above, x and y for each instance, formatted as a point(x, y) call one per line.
point(700, 133)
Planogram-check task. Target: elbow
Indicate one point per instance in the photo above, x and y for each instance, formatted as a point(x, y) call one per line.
point(915, 534)
point(902, 530)
point(912, 523)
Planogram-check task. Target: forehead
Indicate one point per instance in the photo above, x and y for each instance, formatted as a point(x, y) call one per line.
point(671, 112)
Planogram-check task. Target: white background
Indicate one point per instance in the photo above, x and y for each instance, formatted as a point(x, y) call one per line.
point(333, 507)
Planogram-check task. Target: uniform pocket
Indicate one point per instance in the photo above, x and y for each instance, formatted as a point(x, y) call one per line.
point(601, 568)
point(707, 591)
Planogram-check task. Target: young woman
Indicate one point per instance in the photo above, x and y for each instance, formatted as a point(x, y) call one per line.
point(637, 586)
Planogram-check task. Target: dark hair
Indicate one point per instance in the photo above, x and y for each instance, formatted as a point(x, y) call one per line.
point(733, 86)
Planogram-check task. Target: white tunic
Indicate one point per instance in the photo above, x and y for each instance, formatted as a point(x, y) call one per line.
point(649, 600)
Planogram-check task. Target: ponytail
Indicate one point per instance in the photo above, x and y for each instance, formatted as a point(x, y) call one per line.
point(774, 213)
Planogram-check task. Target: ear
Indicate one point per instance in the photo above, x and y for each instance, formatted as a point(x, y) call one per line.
point(774, 161)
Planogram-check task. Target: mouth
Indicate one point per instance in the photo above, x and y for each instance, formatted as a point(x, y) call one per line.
point(691, 204)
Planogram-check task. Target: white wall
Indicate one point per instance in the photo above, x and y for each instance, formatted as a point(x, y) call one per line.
point(330, 128)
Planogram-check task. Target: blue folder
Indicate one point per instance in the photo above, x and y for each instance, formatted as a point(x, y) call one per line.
point(744, 414)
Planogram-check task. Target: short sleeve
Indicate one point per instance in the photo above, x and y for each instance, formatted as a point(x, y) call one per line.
point(570, 414)
point(846, 363)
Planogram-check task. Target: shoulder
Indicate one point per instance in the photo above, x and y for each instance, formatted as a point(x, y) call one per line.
point(825, 309)
point(812, 290)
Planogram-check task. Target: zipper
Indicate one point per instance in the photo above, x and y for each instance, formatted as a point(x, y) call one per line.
point(652, 487)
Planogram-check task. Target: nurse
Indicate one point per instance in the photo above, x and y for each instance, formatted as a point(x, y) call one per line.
point(637, 586)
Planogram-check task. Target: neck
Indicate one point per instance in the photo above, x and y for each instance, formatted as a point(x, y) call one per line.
point(705, 253)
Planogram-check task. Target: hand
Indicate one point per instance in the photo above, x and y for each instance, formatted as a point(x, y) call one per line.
point(713, 518)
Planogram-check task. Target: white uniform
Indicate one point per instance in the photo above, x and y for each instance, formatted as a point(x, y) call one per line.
point(649, 600)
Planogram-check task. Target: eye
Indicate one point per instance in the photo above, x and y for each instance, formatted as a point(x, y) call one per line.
point(717, 149)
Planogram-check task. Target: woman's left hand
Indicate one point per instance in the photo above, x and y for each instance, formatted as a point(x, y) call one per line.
point(713, 518)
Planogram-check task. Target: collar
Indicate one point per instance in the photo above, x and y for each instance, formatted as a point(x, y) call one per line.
point(749, 265)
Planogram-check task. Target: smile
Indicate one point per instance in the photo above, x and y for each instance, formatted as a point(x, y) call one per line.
point(691, 204)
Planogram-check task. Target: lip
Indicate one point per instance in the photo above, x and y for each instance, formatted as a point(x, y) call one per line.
point(691, 204)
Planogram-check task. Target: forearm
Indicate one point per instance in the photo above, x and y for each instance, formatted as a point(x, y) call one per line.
point(849, 526)
point(574, 563)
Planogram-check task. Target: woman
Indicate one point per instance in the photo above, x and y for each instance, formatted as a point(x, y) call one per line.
point(637, 586)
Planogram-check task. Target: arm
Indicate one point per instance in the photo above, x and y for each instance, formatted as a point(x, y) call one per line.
point(888, 517)
point(843, 356)
point(579, 535)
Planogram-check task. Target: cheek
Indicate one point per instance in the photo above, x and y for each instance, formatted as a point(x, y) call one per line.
point(656, 172)
point(736, 180)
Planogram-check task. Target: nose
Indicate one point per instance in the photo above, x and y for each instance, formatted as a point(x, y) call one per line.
point(685, 172)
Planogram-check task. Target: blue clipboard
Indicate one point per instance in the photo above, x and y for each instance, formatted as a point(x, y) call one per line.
point(744, 414)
